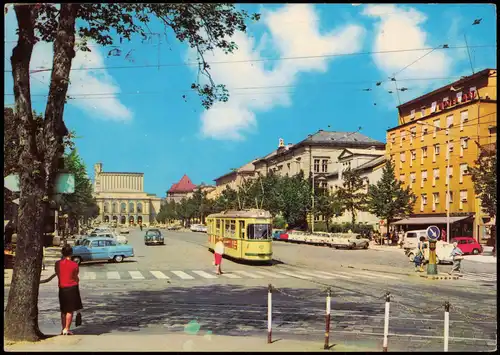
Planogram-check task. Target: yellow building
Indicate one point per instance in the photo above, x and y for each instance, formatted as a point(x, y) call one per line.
point(441, 131)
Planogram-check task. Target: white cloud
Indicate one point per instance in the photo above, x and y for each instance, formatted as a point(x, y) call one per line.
point(81, 81)
point(294, 31)
point(397, 28)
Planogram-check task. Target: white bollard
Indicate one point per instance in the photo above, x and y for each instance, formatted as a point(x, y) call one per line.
point(446, 325)
point(269, 313)
point(327, 319)
point(386, 320)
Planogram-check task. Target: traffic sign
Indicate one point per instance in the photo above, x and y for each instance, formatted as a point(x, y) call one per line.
point(433, 232)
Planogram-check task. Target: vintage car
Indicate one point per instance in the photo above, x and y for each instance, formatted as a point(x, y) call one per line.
point(349, 241)
point(125, 230)
point(154, 237)
point(101, 248)
point(174, 227)
point(277, 233)
point(443, 252)
point(198, 228)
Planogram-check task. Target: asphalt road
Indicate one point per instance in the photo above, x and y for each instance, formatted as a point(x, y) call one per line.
point(173, 288)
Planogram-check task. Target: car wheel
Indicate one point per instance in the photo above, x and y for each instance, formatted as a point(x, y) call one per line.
point(352, 246)
point(77, 259)
point(475, 251)
point(412, 257)
point(366, 246)
point(118, 259)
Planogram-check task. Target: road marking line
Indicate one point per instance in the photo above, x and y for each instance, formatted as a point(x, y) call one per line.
point(204, 274)
point(316, 275)
point(136, 275)
point(89, 276)
point(159, 275)
point(295, 275)
point(113, 275)
point(335, 275)
point(183, 275)
point(270, 274)
point(247, 274)
point(361, 274)
point(231, 276)
point(379, 275)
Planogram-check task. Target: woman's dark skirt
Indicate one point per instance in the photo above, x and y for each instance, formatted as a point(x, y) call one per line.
point(69, 299)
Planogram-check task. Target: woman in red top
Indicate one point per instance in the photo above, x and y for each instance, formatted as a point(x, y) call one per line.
point(69, 293)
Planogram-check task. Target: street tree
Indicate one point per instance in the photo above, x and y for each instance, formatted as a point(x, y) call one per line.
point(388, 199)
point(484, 176)
point(227, 200)
point(204, 27)
point(352, 193)
point(10, 142)
point(328, 205)
point(294, 199)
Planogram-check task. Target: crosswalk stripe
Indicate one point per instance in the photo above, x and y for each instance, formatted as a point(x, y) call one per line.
point(136, 275)
point(295, 275)
point(253, 276)
point(89, 276)
point(316, 275)
point(113, 275)
point(361, 274)
point(271, 274)
point(378, 275)
point(159, 275)
point(231, 276)
point(204, 274)
point(183, 275)
point(336, 275)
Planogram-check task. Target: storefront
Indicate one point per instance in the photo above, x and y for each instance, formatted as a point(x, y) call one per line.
point(460, 226)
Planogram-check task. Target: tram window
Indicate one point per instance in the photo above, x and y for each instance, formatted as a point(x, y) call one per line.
point(259, 231)
point(217, 224)
point(233, 228)
point(242, 229)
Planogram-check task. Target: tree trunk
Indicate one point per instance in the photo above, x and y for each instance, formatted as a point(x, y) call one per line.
point(353, 218)
point(21, 314)
point(37, 165)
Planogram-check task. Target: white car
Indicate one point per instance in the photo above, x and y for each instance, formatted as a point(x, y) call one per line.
point(443, 252)
point(411, 238)
point(349, 240)
point(198, 228)
point(121, 239)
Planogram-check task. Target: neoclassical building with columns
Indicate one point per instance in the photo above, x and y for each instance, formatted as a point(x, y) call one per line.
point(121, 198)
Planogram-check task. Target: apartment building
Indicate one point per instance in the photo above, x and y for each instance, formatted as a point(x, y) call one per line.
point(437, 139)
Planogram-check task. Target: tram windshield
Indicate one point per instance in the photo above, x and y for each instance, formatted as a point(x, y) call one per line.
point(259, 231)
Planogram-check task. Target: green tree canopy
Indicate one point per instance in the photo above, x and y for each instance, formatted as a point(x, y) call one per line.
point(352, 193)
point(388, 199)
point(484, 176)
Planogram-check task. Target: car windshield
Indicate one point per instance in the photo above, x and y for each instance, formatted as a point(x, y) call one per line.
point(259, 231)
point(86, 243)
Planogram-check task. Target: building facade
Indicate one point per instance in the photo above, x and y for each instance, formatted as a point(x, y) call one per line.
point(437, 139)
point(121, 198)
point(233, 179)
point(369, 163)
point(184, 188)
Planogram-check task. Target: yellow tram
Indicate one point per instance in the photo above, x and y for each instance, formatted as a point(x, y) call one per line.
point(246, 234)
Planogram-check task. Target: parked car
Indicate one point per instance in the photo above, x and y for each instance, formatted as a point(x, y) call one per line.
point(125, 230)
point(411, 239)
point(349, 240)
point(198, 228)
point(101, 248)
point(277, 233)
point(468, 245)
point(154, 237)
point(443, 252)
point(119, 238)
point(174, 227)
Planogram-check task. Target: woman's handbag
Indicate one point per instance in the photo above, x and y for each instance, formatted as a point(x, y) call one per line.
point(78, 320)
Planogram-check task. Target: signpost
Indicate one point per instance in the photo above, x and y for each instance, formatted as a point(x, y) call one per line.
point(433, 233)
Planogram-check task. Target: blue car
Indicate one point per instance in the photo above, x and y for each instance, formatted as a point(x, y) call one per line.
point(277, 233)
point(97, 249)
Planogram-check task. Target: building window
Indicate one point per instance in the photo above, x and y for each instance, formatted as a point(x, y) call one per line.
point(422, 112)
point(472, 89)
point(316, 165)
point(446, 99)
point(436, 152)
point(433, 107)
point(437, 125)
point(403, 137)
point(463, 171)
point(114, 207)
point(459, 96)
point(463, 198)
point(435, 200)
point(449, 150)
point(435, 176)
point(413, 133)
point(413, 178)
point(123, 207)
point(449, 123)
point(449, 199)
point(413, 155)
point(449, 174)
point(424, 132)
point(139, 207)
point(402, 158)
point(402, 178)
point(423, 201)
point(463, 145)
point(424, 155)
point(424, 178)
point(324, 165)
point(464, 117)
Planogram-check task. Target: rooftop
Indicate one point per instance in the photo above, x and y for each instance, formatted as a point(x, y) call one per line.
point(184, 185)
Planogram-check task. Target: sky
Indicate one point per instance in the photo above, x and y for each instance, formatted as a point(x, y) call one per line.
point(301, 68)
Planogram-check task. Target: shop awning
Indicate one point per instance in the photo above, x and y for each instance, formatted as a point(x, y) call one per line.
point(429, 220)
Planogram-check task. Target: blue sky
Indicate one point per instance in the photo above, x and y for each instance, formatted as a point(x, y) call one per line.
point(146, 125)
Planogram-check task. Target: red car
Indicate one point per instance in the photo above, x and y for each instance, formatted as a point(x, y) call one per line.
point(468, 245)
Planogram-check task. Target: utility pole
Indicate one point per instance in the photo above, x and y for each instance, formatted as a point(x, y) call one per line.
point(448, 190)
point(312, 207)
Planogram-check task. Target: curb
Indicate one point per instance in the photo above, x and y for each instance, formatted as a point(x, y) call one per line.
point(439, 277)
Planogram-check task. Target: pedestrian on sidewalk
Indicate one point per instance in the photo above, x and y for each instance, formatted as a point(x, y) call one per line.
point(69, 292)
point(456, 254)
point(419, 258)
point(218, 252)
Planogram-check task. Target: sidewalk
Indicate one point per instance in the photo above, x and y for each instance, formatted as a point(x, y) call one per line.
point(489, 259)
point(178, 342)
